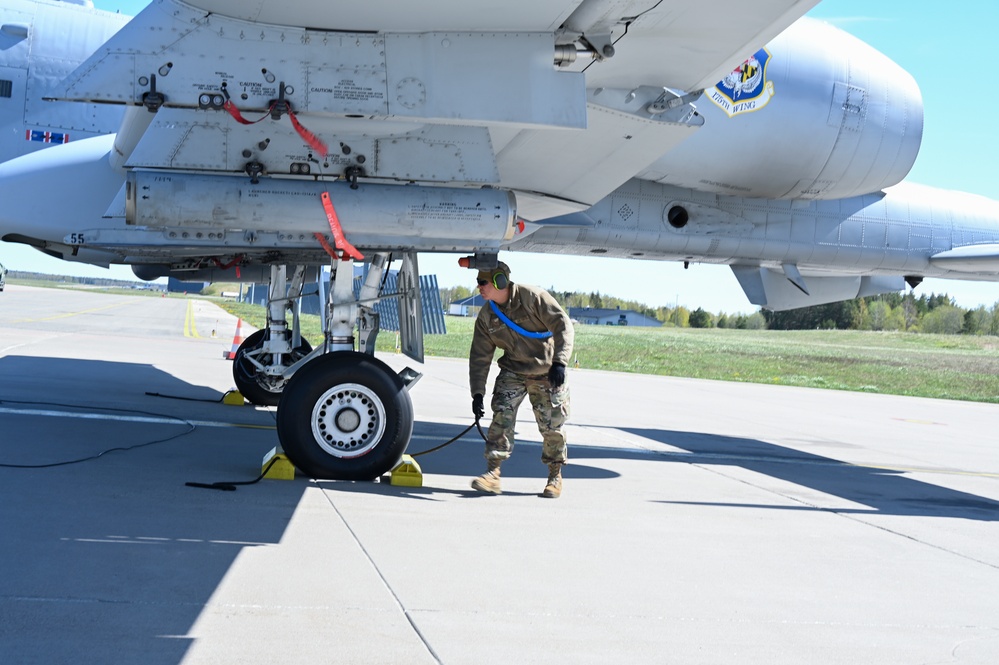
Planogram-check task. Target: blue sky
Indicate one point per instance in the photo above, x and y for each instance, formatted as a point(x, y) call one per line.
point(946, 46)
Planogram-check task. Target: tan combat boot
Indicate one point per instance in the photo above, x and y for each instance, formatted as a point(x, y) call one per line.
point(553, 489)
point(490, 480)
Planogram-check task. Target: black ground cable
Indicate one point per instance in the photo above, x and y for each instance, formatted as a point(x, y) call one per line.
point(449, 442)
point(226, 486)
point(193, 399)
point(180, 421)
point(230, 486)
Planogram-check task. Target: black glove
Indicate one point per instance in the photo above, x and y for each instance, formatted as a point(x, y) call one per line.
point(477, 409)
point(556, 375)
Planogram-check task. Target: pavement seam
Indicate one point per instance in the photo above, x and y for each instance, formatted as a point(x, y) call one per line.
point(381, 576)
point(852, 517)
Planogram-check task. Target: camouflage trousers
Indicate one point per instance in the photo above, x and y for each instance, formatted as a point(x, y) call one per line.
point(551, 410)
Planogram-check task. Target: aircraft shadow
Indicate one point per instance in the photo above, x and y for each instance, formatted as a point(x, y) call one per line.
point(116, 555)
point(884, 491)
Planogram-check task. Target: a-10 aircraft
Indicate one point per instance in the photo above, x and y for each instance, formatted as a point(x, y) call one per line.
point(224, 139)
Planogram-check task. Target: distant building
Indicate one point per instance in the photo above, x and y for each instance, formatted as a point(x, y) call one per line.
point(175, 285)
point(469, 306)
point(611, 317)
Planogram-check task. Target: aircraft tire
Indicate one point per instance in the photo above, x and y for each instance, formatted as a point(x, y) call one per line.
point(257, 390)
point(345, 416)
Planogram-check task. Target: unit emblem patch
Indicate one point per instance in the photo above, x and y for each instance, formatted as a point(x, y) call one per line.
point(746, 89)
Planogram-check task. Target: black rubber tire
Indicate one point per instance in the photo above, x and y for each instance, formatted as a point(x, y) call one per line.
point(244, 373)
point(345, 416)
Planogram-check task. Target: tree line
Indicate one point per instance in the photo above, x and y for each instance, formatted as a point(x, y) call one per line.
point(928, 313)
point(933, 313)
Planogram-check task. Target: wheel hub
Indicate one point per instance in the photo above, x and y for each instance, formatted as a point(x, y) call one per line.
point(348, 420)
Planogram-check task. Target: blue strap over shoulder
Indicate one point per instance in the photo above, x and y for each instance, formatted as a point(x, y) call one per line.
point(513, 326)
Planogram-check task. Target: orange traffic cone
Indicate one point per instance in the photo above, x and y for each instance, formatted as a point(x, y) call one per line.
point(237, 341)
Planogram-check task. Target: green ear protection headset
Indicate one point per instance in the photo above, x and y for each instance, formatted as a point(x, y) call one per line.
point(500, 281)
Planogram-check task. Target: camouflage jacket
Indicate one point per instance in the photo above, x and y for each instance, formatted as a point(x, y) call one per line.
point(533, 309)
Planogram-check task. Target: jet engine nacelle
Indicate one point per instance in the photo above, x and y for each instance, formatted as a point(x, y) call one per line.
point(840, 119)
point(371, 216)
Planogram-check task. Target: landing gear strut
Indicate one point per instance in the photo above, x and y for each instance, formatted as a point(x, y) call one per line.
point(252, 381)
point(261, 366)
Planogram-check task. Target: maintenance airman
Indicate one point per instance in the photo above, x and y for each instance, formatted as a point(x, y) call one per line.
point(536, 336)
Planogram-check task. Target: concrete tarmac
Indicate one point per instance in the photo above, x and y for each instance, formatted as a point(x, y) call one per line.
point(701, 522)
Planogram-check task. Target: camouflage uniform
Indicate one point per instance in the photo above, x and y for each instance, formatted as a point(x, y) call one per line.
point(551, 410)
point(524, 369)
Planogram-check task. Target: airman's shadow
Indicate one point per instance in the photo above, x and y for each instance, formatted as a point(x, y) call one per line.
point(465, 458)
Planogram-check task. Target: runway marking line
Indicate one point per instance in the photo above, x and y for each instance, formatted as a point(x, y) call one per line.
point(66, 315)
point(129, 419)
point(650, 453)
point(190, 330)
point(916, 421)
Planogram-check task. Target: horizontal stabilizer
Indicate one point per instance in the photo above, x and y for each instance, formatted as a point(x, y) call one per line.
point(776, 291)
point(970, 258)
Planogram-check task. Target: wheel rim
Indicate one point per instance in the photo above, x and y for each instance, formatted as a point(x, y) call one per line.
point(348, 420)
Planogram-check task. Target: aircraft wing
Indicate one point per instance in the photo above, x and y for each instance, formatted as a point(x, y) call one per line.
point(706, 38)
point(533, 97)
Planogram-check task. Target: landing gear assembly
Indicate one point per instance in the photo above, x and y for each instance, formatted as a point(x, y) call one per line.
point(249, 369)
point(342, 413)
point(265, 359)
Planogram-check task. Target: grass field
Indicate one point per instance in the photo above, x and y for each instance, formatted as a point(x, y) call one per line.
point(960, 367)
point(957, 367)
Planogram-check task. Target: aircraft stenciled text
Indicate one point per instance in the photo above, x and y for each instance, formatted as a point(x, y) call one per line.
point(735, 108)
point(351, 91)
